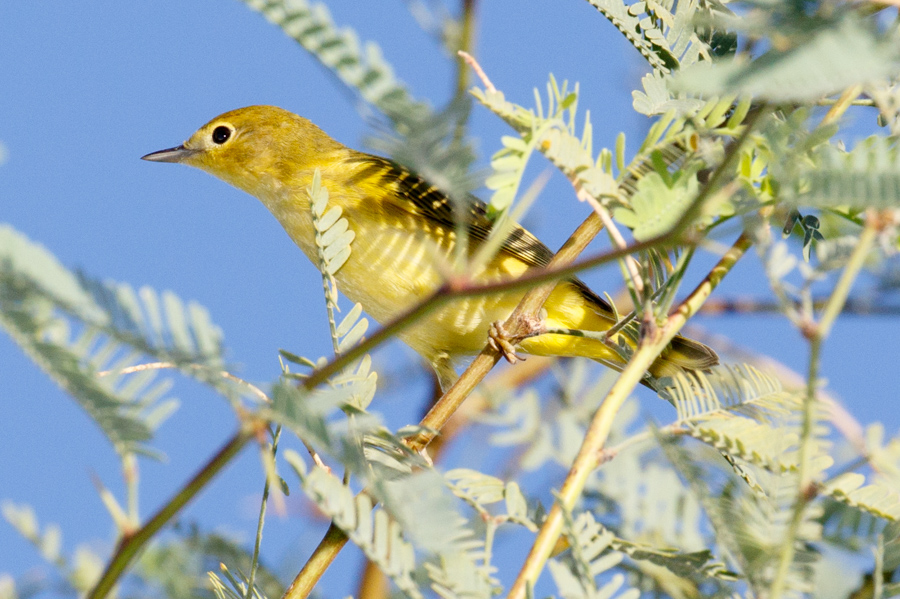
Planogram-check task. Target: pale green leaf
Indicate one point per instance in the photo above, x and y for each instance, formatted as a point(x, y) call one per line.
point(832, 58)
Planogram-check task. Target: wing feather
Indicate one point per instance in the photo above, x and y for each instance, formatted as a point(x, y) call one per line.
point(416, 196)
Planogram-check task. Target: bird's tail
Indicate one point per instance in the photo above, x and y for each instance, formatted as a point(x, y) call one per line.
point(683, 354)
point(568, 309)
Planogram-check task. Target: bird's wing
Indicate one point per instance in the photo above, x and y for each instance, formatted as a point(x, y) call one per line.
point(416, 196)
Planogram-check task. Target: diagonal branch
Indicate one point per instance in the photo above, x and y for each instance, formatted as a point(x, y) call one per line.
point(590, 454)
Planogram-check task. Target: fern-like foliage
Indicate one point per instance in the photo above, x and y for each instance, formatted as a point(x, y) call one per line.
point(80, 570)
point(316, 417)
point(875, 498)
point(591, 556)
point(419, 502)
point(553, 131)
point(461, 575)
point(333, 234)
point(685, 564)
point(670, 143)
point(479, 491)
point(745, 414)
point(548, 433)
point(682, 132)
point(663, 32)
point(819, 56)
point(508, 166)
point(656, 98)
point(363, 69)
point(333, 244)
point(656, 522)
point(751, 523)
point(659, 201)
point(377, 534)
point(74, 328)
point(867, 176)
point(741, 388)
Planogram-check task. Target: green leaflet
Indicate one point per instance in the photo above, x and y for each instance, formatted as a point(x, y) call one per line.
point(866, 177)
point(591, 556)
point(824, 59)
point(81, 569)
point(658, 203)
point(333, 245)
point(374, 530)
point(667, 41)
point(361, 68)
point(876, 498)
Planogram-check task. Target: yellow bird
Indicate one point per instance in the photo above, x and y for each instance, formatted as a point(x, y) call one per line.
point(402, 223)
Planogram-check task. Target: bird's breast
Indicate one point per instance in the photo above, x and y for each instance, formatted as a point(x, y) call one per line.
point(397, 261)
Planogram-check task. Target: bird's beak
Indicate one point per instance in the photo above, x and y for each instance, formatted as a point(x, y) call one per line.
point(176, 154)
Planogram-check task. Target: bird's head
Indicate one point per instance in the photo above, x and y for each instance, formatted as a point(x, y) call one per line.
point(258, 148)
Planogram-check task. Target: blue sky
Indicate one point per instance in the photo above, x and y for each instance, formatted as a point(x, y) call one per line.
point(88, 88)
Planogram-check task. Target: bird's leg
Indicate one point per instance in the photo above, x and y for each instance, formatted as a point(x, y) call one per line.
point(446, 373)
point(505, 342)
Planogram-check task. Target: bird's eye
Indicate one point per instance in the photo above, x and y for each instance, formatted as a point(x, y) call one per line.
point(221, 134)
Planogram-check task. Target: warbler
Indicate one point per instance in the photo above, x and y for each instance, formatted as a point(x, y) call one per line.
point(402, 224)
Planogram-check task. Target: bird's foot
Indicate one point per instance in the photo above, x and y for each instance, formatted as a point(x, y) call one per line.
point(505, 342)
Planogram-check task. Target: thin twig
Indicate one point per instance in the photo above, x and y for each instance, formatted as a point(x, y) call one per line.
point(254, 561)
point(470, 60)
point(843, 102)
point(259, 393)
point(634, 269)
point(832, 102)
point(817, 333)
point(751, 306)
point(466, 39)
point(171, 365)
